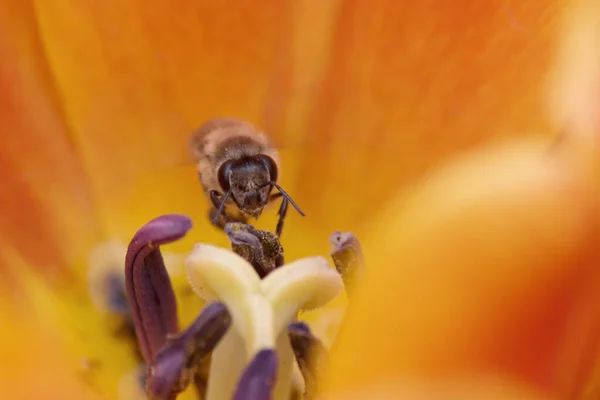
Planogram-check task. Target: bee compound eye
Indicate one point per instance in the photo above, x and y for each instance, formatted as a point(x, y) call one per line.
point(223, 175)
point(270, 165)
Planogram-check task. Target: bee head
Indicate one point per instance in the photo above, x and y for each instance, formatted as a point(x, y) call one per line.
point(250, 181)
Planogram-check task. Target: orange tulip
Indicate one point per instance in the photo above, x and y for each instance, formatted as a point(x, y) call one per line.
point(97, 102)
point(492, 277)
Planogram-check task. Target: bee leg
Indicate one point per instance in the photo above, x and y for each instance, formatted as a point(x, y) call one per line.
point(221, 221)
point(216, 198)
point(282, 212)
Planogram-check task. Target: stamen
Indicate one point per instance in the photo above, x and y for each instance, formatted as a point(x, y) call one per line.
point(260, 248)
point(348, 258)
point(311, 356)
point(176, 364)
point(149, 290)
point(259, 377)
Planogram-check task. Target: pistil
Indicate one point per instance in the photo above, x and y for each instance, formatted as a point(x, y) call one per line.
point(261, 310)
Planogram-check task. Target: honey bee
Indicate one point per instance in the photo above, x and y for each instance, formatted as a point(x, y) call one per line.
point(238, 168)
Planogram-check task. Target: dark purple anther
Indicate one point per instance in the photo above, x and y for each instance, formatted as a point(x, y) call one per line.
point(310, 354)
point(175, 364)
point(149, 290)
point(347, 255)
point(260, 248)
point(259, 377)
point(237, 235)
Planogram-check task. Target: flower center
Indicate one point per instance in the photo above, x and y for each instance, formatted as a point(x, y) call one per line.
point(247, 342)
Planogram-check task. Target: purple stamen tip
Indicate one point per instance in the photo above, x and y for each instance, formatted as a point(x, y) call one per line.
point(176, 362)
point(299, 328)
point(149, 290)
point(347, 255)
point(259, 377)
point(161, 230)
point(241, 237)
point(164, 376)
point(260, 248)
point(310, 354)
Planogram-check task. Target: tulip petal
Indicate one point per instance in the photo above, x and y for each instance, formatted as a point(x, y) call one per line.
point(474, 387)
point(411, 83)
point(34, 364)
point(138, 77)
point(575, 84)
point(575, 104)
point(495, 256)
point(491, 265)
point(44, 196)
point(304, 72)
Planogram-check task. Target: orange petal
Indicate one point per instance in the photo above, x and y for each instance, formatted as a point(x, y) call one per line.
point(137, 77)
point(461, 388)
point(384, 101)
point(410, 83)
point(575, 84)
point(491, 266)
point(575, 103)
point(44, 195)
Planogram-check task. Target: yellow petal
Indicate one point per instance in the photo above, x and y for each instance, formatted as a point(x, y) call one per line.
point(34, 364)
point(490, 265)
point(137, 78)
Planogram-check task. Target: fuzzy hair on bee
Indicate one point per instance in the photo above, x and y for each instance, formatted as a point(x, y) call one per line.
point(238, 168)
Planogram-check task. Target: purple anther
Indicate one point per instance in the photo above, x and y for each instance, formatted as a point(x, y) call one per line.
point(347, 255)
point(176, 362)
point(259, 377)
point(149, 290)
point(240, 237)
point(260, 248)
point(311, 356)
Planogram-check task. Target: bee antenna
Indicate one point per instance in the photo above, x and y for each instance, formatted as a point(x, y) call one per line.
point(288, 198)
point(221, 206)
